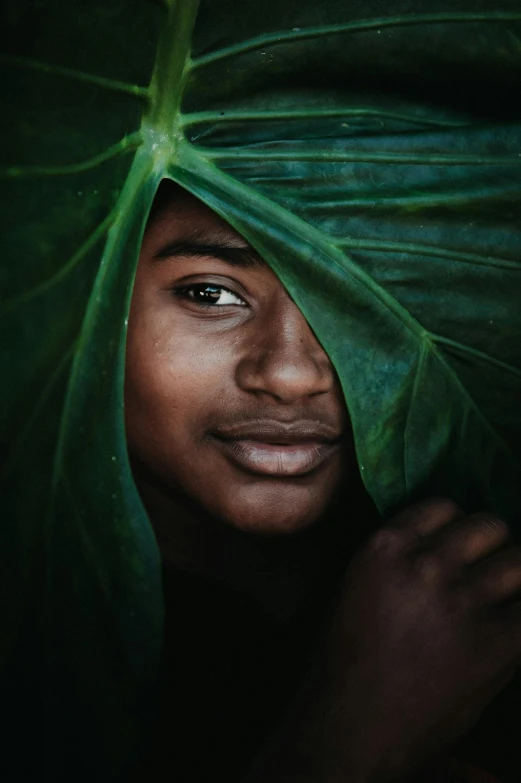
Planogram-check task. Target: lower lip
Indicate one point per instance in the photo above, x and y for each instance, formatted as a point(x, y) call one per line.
point(275, 459)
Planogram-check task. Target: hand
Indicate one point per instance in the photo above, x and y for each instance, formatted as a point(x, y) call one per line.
point(423, 638)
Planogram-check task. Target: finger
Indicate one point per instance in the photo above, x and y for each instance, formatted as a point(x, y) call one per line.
point(497, 578)
point(427, 516)
point(471, 538)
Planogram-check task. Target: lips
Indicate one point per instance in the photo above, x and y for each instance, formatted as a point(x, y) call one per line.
point(272, 448)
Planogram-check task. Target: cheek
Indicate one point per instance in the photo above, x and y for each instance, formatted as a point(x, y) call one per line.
point(172, 379)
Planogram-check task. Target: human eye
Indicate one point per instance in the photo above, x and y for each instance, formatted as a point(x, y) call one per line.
point(208, 295)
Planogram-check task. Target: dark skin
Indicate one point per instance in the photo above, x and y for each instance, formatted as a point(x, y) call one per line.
point(242, 452)
point(204, 376)
point(244, 360)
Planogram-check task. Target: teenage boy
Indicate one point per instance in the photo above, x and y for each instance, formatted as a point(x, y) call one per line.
point(307, 641)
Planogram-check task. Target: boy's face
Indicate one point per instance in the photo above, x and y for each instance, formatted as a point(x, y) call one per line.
point(228, 395)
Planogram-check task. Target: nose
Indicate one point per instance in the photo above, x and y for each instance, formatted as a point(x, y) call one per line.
point(284, 359)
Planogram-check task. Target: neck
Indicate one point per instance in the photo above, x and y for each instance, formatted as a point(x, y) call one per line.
point(282, 574)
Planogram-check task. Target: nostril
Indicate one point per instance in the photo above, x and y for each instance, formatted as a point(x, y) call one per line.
point(286, 361)
point(288, 377)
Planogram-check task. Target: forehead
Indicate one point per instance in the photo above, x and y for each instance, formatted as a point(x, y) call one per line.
point(178, 214)
point(182, 226)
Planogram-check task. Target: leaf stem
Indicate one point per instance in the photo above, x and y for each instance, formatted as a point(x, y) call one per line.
point(171, 68)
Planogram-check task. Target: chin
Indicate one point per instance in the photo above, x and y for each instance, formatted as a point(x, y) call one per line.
point(275, 507)
point(279, 527)
point(283, 526)
point(272, 516)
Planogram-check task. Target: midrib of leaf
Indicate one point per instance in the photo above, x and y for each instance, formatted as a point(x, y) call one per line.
point(159, 132)
point(138, 175)
point(457, 17)
point(172, 66)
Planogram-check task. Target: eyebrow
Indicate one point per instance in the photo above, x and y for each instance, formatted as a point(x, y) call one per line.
point(243, 257)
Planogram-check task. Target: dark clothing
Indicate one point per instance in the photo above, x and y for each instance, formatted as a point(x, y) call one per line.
point(228, 673)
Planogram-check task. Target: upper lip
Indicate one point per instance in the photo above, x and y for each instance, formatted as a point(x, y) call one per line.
point(285, 433)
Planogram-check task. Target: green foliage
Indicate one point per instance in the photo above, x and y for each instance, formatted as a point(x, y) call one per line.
point(371, 153)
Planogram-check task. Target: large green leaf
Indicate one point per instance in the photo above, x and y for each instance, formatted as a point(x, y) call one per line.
point(373, 158)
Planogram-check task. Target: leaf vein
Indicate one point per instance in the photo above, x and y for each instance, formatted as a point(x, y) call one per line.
point(361, 156)
point(65, 270)
point(126, 144)
point(478, 354)
point(361, 25)
point(429, 250)
point(238, 115)
point(417, 200)
point(81, 76)
point(414, 394)
point(36, 410)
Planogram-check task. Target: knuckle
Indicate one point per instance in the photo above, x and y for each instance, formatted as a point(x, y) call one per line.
point(445, 506)
point(386, 541)
point(477, 535)
point(435, 512)
point(502, 577)
point(427, 566)
point(492, 524)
